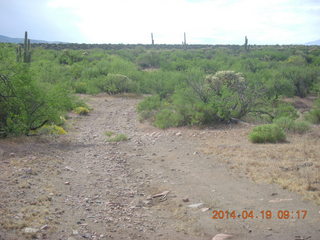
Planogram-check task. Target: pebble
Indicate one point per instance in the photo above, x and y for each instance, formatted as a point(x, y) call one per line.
point(30, 230)
point(44, 227)
point(67, 183)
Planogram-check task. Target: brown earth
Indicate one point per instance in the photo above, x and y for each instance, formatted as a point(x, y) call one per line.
point(79, 186)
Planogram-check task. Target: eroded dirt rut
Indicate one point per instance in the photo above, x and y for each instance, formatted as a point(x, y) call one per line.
point(81, 187)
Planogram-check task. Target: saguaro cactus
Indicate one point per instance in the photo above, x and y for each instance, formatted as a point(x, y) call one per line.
point(246, 47)
point(184, 43)
point(26, 49)
point(152, 41)
point(19, 53)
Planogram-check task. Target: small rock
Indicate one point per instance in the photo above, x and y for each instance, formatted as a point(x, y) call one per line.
point(221, 236)
point(67, 183)
point(86, 235)
point(44, 227)
point(204, 209)
point(178, 134)
point(75, 232)
point(71, 238)
point(30, 230)
point(12, 155)
point(195, 205)
point(185, 199)
point(274, 194)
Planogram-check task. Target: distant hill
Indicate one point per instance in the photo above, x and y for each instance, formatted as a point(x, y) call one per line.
point(5, 39)
point(317, 42)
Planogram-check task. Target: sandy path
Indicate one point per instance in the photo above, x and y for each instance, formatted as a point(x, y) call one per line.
point(101, 190)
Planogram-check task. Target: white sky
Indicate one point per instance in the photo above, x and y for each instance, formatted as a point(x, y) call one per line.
point(132, 21)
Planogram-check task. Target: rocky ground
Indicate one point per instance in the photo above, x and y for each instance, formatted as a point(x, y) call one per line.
point(159, 184)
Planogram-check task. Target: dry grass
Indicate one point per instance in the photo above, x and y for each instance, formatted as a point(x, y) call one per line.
point(294, 165)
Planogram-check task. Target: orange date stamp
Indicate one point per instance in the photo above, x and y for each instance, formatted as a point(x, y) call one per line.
point(263, 214)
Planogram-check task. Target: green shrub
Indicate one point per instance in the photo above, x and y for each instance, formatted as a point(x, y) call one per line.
point(289, 125)
point(80, 87)
point(301, 127)
point(313, 115)
point(81, 110)
point(114, 83)
point(118, 138)
point(148, 107)
point(285, 110)
point(167, 118)
point(268, 133)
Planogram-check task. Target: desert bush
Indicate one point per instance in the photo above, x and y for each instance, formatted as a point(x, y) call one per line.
point(281, 109)
point(227, 92)
point(114, 83)
point(149, 107)
point(80, 87)
point(289, 125)
point(50, 130)
point(166, 118)
point(81, 110)
point(27, 104)
point(313, 115)
point(268, 133)
point(149, 60)
point(118, 138)
point(301, 127)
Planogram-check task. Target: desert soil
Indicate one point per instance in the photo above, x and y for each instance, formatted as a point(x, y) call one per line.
point(159, 184)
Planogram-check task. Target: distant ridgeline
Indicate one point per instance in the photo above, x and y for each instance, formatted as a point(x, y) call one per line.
point(5, 39)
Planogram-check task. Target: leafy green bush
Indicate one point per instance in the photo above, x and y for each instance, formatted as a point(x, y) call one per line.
point(167, 118)
point(290, 125)
point(148, 107)
point(115, 83)
point(268, 133)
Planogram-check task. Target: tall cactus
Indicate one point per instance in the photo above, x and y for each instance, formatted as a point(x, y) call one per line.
point(246, 47)
point(19, 53)
point(26, 49)
point(152, 40)
point(184, 43)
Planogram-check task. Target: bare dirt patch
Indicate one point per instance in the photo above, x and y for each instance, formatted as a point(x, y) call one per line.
point(294, 165)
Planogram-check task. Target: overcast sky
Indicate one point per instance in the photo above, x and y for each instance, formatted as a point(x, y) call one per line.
point(132, 21)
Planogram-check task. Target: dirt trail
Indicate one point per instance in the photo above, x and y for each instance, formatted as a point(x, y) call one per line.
point(79, 186)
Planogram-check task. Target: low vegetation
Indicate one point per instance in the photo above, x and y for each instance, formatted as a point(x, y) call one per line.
point(268, 133)
point(188, 86)
point(81, 110)
point(293, 126)
point(118, 138)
